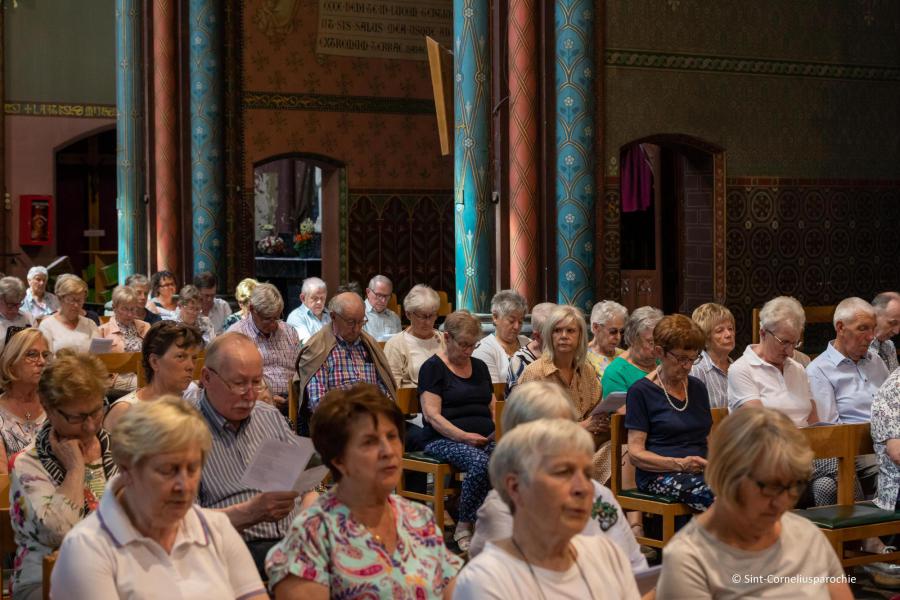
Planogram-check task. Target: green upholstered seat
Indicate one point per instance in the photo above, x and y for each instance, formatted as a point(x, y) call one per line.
point(639, 495)
point(422, 457)
point(855, 515)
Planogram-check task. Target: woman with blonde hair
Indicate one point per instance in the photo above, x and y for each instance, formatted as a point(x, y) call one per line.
point(749, 544)
point(242, 294)
point(21, 414)
point(717, 324)
point(68, 328)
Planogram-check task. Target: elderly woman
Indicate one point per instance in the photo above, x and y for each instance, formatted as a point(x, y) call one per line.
point(359, 539)
point(457, 398)
point(640, 358)
point(242, 294)
point(418, 342)
point(141, 286)
point(12, 319)
point(717, 324)
point(547, 400)
point(68, 328)
point(39, 303)
point(159, 449)
point(531, 351)
point(607, 325)
point(21, 414)
point(542, 471)
point(508, 309)
point(126, 332)
point(749, 544)
point(886, 439)
point(189, 313)
point(58, 480)
point(668, 419)
point(168, 355)
point(162, 295)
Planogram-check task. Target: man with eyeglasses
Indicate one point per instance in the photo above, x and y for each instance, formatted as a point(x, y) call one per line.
point(12, 318)
point(340, 356)
point(887, 325)
point(382, 322)
point(232, 379)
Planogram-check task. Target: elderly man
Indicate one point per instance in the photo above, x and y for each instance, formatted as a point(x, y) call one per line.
point(341, 355)
point(12, 319)
point(531, 351)
point(310, 316)
point(216, 309)
point(887, 325)
point(232, 379)
point(382, 323)
point(277, 341)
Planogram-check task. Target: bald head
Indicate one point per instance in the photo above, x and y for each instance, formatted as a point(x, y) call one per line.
point(348, 315)
point(229, 348)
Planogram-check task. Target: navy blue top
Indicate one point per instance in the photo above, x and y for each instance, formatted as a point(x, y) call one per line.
point(465, 402)
point(669, 432)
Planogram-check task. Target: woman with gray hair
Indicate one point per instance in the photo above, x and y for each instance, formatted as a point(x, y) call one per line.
point(68, 328)
point(12, 319)
point(190, 313)
point(508, 309)
point(39, 303)
point(418, 342)
point(547, 400)
point(541, 470)
point(126, 332)
point(758, 467)
point(640, 358)
point(607, 325)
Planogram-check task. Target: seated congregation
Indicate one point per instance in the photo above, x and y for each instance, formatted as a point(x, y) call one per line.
point(129, 482)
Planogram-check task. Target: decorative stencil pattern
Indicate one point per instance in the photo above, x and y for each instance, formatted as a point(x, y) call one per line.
point(207, 174)
point(575, 185)
point(524, 269)
point(168, 220)
point(612, 247)
point(129, 154)
point(473, 210)
point(407, 236)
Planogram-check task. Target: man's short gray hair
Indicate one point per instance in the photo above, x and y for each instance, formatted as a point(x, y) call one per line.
point(606, 310)
point(313, 284)
point(266, 300)
point(848, 308)
point(421, 298)
point(521, 450)
point(12, 290)
point(642, 319)
point(881, 301)
point(380, 279)
point(535, 400)
point(783, 309)
point(539, 314)
point(37, 270)
point(506, 302)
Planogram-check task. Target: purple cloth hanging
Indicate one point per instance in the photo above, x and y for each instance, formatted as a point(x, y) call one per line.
point(637, 180)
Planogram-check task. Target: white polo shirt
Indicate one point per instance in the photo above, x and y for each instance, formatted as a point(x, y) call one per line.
point(104, 557)
point(752, 378)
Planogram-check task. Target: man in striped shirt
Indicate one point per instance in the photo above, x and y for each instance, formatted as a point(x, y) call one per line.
point(232, 379)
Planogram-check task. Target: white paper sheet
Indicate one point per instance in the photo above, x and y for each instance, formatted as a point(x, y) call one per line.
point(613, 402)
point(310, 478)
point(100, 345)
point(277, 465)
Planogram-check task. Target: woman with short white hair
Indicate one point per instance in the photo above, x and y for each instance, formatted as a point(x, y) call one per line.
point(12, 319)
point(190, 313)
point(39, 303)
point(547, 400)
point(607, 325)
point(541, 470)
point(418, 342)
point(508, 309)
point(640, 359)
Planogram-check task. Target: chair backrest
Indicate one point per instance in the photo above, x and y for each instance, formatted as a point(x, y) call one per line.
point(845, 443)
point(293, 401)
point(499, 405)
point(500, 391)
point(125, 362)
point(408, 400)
point(198, 365)
point(445, 308)
point(104, 319)
point(394, 306)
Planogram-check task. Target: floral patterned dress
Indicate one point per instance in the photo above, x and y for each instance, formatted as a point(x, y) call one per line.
point(326, 545)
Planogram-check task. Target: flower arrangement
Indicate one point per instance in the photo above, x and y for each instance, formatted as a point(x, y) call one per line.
point(305, 240)
point(271, 245)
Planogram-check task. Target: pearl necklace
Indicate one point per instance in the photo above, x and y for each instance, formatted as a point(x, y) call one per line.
point(672, 404)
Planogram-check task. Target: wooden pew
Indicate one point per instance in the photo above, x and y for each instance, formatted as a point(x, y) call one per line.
point(125, 362)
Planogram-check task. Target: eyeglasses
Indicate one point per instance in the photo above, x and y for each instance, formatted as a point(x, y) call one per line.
point(612, 330)
point(773, 490)
point(794, 345)
point(353, 323)
point(685, 361)
point(425, 317)
point(240, 389)
point(74, 300)
point(13, 305)
point(465, 346)
point(79, 419)
point(380, 296)
point(33, 356)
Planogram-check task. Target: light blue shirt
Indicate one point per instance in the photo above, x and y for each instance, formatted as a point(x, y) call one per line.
point(39, 309)
point(843, 389)
point(305, 322)
point(383, 325)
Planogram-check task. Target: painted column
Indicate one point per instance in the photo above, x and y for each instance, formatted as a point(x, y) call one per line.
point(523, 148)
point(575, 177)
point(168, 229)
point(131, 219)
point(474, 211)
point(207, 167)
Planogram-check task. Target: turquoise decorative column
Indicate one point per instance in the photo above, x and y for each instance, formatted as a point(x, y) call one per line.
point(131, 220)
point(575, 185)
point(471, 185)
point(207, 167)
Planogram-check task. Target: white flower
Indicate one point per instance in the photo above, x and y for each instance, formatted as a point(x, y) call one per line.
point(468, 13)
point(570, 276)
point(470, 271)
point(570, 160)
point(570, 218)
point(568, 101)
point(588, 247)
point(568, 44)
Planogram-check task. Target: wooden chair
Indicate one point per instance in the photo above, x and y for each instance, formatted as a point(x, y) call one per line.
point(394, 305)
point(46, 570)
point(646, 502)
point(104, 319)
point(198, 365)
point(445, 308)
point(125, 362)
point(293, 402)
point(499, 405)
point(7, 539)
point(420, 462)
point(814, 315)
point(848, 520)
